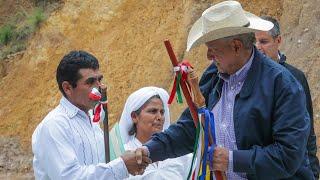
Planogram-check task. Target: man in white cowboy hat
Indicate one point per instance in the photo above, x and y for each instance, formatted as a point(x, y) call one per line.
point(261, 120)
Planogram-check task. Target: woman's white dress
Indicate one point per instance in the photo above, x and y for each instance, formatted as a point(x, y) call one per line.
point(175, 168)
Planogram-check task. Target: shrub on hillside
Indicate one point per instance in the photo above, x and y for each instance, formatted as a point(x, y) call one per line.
point(6, 34)
point(17, 30)
point(35, 18)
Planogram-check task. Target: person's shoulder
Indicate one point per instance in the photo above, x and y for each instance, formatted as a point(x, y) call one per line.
point(274, 70)
point(55, 118)
point(270, 64)
point(270, 68)
point(53, 123)
point(294, 70)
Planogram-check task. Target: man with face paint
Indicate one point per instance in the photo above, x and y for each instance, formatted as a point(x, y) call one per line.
point(269, 43)
point(67, 144)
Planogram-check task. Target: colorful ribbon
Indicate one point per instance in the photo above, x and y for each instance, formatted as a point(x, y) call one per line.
point(98, 111)
point(181, 75)
point(202, 146)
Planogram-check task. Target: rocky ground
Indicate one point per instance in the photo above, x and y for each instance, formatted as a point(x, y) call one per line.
point(15, 163)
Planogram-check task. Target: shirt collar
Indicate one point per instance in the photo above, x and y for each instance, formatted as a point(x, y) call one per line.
point(241, 74)
point(70, 109)
point(282, 58)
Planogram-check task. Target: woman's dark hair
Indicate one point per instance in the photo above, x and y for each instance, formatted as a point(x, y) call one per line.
point(133, 130)
point(69, 66)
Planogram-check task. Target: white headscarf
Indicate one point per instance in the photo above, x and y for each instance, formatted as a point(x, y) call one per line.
point(134, 102)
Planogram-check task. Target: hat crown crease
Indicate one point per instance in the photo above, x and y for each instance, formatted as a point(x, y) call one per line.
point(224, 15)
point(223, 20)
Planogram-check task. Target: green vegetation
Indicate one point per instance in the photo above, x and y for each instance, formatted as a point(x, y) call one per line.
point(6, 33)
point(14, 34)
point(17, 29)
point(35, 18)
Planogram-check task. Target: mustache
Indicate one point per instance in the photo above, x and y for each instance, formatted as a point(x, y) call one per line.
point(157, 124)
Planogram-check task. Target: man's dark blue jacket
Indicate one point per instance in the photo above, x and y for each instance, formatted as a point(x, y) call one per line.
point(271, 124)
point(312, 140)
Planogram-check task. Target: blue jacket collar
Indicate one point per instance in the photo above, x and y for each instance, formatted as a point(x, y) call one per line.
point(255, 68)
point(211, 83)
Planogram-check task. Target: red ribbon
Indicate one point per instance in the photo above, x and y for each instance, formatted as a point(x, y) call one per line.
point(97, 111)
point(182, 69)
point(95, 95)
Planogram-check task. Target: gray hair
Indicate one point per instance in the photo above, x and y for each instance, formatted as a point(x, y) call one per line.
point(275, 31)
point(247, 39)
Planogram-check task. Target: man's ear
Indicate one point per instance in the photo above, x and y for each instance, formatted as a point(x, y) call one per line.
point(134, 117)
point(236, 46)
point(67, 88)
point(279, 40)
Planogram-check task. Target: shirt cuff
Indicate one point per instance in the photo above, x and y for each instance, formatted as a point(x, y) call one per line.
point(230, 163)
point(119, 168)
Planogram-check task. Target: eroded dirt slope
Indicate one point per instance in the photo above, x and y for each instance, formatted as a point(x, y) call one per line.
point(127, 37)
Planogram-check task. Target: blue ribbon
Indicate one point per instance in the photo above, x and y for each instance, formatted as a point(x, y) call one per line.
point(213, 135)
point(208, 150)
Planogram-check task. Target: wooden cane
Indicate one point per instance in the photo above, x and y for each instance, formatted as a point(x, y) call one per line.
point(199, 101)
point(105, 124)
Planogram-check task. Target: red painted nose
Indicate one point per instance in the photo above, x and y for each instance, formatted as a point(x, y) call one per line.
point(95, 95)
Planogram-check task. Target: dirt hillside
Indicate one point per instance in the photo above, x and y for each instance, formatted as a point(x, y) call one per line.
point(127, 37)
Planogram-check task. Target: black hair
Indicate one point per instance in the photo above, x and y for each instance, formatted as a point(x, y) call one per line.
point(70, 64)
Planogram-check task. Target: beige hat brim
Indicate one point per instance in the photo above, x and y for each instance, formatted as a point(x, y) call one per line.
point(197, 37)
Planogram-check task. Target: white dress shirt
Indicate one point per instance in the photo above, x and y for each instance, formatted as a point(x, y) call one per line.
point(175, 168)
point(68, 145)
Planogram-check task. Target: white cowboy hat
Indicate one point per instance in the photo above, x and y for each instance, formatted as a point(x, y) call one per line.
point(223, 20)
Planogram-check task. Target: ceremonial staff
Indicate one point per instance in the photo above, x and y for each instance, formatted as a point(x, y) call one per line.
point(101, 112)
point(104, 102)
point(199, 99)
point(199, 102)
point(184, 87)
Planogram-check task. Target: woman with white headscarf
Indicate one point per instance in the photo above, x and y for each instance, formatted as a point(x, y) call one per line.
point(146, 112)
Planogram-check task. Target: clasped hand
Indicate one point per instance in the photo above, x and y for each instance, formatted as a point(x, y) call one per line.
point(136, 161)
